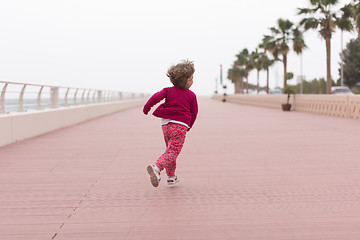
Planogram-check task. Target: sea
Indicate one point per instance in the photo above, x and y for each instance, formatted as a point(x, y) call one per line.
point(12, 105)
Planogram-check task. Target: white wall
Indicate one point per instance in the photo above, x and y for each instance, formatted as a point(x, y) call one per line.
point(271, 100)
point(19, 126)
point(347, 106)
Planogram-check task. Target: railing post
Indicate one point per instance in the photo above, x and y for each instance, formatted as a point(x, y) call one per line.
point(120, 96)
point(21, 99)
point(75, 102)
point(104, 96)
point(93, 101)
point(108, 99)
point(54, 97)
point(2, 99)
point(66, 98)
point(88, 97)
point(82, 97)
point(99, 96)
point(39, 99)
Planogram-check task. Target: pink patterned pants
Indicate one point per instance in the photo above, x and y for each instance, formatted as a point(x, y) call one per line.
point(174, 136)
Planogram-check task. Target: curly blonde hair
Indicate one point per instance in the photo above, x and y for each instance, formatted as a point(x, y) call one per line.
point(180, 72)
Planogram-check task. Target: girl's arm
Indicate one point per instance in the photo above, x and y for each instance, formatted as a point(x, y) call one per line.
point(156, 98)
point(194, 111)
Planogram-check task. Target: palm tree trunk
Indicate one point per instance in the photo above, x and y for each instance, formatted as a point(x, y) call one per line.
point(237, 86)
point(258, 81)
point(247, 85)
point(242, 86)
point(285, 66)
point(328, 67)
point(267, 80)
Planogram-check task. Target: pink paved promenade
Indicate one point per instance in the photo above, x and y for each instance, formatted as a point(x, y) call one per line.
point(246, 173)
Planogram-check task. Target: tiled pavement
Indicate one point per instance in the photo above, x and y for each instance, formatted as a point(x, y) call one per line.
point(246, 173)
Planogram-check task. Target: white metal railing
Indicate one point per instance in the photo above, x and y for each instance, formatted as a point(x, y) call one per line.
point(21, 97)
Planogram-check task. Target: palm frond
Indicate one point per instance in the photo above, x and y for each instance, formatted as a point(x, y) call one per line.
point(330, 2)
point(347, 11)
point(358, 25)
point(314, 2)
point(235, 73)
point(321, 8)
point(297, 33)
point(284, 48)
point(310, 23)
point(266, 61)
point(266, 42)
point(304, 11)
point(299, 45)
point(267, 38)
point(243, 60)
point(284, 25)
point(274, 30)
point(298, 41)
point(255, 58)
point(344, 24)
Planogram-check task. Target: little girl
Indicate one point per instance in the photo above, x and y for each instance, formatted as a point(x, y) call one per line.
point(178, 114)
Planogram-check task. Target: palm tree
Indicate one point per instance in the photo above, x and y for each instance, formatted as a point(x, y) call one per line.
point(266, 44)
point(282, 35)
point(348, 12)
point(324, 18)
point(256, 59)
point(298, 46)
point(243, 60)
point(266, 63)
point(236, 75)
point(355, 14)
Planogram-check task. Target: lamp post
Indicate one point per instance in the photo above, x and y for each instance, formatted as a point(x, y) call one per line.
point(301, 74)
point(216, 86)
point(221, 83)
point(342, 56)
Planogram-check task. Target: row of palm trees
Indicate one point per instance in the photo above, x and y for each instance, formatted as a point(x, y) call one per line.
point(321, 16)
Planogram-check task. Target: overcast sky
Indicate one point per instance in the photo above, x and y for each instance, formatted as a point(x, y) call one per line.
point(129, 45)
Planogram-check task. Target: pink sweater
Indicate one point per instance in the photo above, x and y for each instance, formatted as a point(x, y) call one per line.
point(180, 105)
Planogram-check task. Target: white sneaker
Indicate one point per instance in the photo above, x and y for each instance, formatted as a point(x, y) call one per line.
point(154, 175)
point(172, 180)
